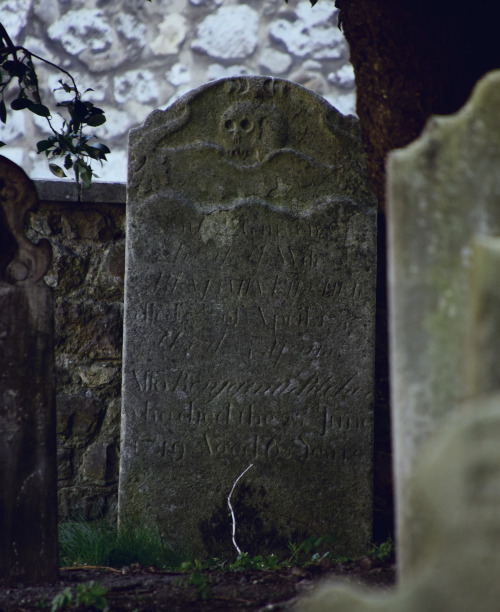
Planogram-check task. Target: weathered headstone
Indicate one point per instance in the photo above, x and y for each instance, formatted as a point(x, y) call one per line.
point(28, 485)
point(249, 321)
point(457, 501)
point(443, 189)
point(482, 353)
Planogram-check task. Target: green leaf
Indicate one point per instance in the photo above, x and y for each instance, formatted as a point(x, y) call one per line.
point(91, 152)
point(67, 88)
point(15, 68)
point(68, 162)
point(80, 110)
point(96, 120)
point(63, 140)
point(87, 179)
point(102, 148)
point(3, 112)
point(21, 103)
point(40, 109)
point(61, 600)
point(85, 172)
point(43, 145)
point(57, 170)
point(95, 152)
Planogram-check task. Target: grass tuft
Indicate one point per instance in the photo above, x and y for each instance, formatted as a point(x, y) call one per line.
point(101, 543)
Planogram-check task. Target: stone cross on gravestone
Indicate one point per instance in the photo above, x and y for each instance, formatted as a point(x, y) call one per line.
point(28, 478)
point(249, 321)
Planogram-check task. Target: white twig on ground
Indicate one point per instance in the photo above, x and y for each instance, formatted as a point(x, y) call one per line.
point(231, 508)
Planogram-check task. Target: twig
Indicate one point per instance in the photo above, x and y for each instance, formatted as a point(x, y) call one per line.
point(90, 567)
point(231, 508)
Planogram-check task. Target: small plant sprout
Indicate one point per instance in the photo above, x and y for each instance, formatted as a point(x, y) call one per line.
point(88, 596)
point(233, 518)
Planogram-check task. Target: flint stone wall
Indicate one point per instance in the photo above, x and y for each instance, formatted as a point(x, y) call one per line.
point(88, 246)
point(249, 327)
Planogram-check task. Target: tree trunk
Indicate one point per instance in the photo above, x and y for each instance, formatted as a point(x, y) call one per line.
point(412, 59)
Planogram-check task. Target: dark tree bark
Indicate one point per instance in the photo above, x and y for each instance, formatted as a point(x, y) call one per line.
point(412, 59)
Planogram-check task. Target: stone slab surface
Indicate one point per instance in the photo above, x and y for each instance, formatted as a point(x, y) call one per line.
point(443, 190)
point(249, 321)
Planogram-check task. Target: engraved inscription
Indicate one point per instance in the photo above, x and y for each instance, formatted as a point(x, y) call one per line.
point(290, 311)
point(228, 320)
point(253, 447)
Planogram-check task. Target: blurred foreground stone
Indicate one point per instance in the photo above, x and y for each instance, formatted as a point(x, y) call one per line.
point(457, 500)
point(444, 191)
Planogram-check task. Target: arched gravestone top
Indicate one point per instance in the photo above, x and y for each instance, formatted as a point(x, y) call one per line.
point(255, 137)
point(249, 316)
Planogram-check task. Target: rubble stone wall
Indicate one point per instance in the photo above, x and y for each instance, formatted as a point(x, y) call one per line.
point(88, 244)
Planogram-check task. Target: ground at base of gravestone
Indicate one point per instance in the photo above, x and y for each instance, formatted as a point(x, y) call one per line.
point(149, 590)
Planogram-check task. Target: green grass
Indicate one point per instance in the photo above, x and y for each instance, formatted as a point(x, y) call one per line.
point(384, 551)
point(89, 595)
point(101, 543)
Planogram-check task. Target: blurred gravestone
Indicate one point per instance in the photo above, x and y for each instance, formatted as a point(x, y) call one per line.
point(482, 354)
point(443, 189)
point(28, 500)
point(457, 500)
point(249, 321)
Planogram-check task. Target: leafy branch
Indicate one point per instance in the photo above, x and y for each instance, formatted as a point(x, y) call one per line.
point(70, 142)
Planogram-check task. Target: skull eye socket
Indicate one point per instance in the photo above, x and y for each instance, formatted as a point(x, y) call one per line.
point(230, 125)
point(246, 125)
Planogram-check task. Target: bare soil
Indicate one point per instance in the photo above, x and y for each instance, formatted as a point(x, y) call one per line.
point(150, 590)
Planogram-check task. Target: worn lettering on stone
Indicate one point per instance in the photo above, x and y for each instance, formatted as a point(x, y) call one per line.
point(249, 318)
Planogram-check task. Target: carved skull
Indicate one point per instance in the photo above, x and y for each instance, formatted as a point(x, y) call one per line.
point(250, 131)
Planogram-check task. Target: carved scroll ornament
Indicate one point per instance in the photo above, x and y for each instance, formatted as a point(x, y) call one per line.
point(21, 261)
